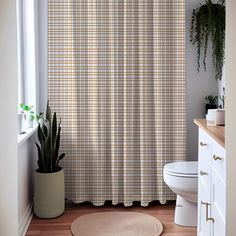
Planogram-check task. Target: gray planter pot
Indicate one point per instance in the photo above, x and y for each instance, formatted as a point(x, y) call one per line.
point(49, 194)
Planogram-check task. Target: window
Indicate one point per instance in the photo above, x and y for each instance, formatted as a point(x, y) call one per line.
point(26, 52)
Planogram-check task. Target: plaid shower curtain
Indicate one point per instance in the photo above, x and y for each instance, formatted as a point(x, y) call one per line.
point(116, 77)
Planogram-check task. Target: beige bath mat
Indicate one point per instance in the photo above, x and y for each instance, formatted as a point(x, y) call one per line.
point(116, 224)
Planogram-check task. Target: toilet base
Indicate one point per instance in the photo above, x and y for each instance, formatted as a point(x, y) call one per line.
point(185, 212)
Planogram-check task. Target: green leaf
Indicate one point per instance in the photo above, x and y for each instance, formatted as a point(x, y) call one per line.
point(31, 117)
point(40, 168)
point(26, 108)
point(48, 113)
point(57, 143)
point(54, 128)
point(45, 130)
point(48, 154)
point(44, 158)
point(60, 158)
point(41, 135)
point(40, 161)
point(22, 105)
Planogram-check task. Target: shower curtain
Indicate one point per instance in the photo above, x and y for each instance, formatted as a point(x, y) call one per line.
point(116, 77)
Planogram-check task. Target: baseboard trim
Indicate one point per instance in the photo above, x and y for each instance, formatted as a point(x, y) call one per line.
point(25, 220)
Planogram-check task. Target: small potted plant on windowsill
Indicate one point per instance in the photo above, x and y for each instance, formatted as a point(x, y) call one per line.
point(20, 122)
point(222, 99)
point(49, 193)
point(28, 112)
point(211, 102)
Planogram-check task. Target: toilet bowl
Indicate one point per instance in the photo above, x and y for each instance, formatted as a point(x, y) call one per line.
point(182, 178)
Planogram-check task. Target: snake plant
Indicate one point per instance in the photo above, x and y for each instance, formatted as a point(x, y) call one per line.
point(48, 149)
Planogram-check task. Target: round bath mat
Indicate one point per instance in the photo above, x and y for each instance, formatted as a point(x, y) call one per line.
point(116, 224)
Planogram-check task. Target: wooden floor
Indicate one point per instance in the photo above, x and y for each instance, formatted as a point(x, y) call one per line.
point(61, 226)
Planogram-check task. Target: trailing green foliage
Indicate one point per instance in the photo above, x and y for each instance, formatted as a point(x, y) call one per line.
point(48, 149)
point(211, 99)
point(208, 22)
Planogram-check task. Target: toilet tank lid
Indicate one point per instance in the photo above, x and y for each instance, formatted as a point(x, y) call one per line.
point(183, 167)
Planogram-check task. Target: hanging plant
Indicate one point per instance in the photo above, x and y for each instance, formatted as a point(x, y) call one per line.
point(208, 22)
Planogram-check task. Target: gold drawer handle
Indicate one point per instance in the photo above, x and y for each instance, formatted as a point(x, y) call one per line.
point(207, 204)
point(217, 158)
point(203, 173)
point(203, 144)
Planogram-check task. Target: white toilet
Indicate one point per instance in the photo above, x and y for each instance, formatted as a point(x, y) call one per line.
point(182, 178)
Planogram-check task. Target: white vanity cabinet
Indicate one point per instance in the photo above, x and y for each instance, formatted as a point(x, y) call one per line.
point(211, 180)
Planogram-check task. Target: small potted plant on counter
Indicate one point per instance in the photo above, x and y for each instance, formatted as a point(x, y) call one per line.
point(211, 102)
point(49, 193)
point(222, 99)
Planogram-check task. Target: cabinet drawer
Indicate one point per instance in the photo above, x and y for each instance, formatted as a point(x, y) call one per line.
point(204, 147)
point(219, 194)
point(218, 227)
point(218, 160)
point(204, 153)
point(204, 196)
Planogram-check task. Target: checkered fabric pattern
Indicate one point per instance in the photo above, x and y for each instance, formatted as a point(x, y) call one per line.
point(116, 73)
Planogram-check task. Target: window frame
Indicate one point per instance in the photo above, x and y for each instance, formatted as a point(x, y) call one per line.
point(27, 71)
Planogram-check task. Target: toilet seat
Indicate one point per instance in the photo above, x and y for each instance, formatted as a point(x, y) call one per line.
point(187, 169)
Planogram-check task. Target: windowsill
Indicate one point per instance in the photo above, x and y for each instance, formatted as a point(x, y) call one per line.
point(24, 137)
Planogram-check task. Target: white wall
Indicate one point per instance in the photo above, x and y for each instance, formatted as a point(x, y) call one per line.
point(198, 84)
point(27, 159)
point(26, 167)
point(8, 119)
point(27, 152)
point(28, 57)
point(231, 116)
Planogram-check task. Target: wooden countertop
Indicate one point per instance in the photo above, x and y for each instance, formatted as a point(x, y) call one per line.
point(216, 132)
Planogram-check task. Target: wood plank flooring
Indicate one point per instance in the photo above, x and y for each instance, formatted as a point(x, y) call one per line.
point(61, 226)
